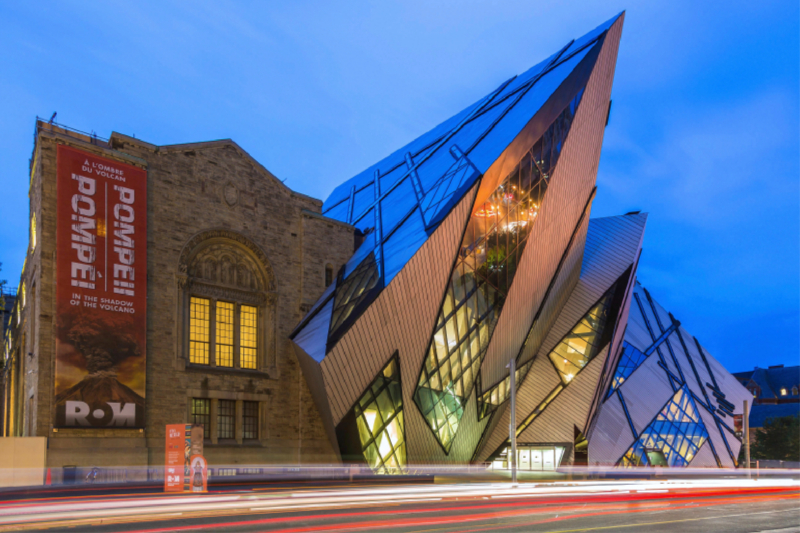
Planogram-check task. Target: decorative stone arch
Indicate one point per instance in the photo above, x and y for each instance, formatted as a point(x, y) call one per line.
point(220, 264)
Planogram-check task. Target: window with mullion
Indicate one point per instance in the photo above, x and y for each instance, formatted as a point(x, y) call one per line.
point(248, 337)
point(199, 328)
point(201, 414)
point(226, 419)
point(249, 420)
point(224, 334)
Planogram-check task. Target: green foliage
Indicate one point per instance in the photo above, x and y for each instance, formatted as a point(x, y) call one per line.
point(779, 439)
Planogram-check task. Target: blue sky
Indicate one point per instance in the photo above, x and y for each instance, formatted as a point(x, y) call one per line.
point(704, 130)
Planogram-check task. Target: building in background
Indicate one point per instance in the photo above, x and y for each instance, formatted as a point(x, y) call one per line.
point(777, 384)
point(473, 247)
point(775, 394)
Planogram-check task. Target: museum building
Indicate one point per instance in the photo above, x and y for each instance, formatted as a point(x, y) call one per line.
point(374, 328)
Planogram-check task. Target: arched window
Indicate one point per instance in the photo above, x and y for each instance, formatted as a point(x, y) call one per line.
point(328, 274)
point(228, 303)
point(794, 391)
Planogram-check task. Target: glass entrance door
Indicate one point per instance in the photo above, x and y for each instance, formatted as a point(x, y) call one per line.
point(525, 459)
point(536, 459)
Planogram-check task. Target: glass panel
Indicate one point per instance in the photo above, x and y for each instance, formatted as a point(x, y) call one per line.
point(250, 420)
point(226, 415)
point(199, 322)
point(224, 334)
point(363, 199)
point(248, 335)
point(339, 211)
point(579, 346)
point(402, 245)
point(201, 414)
point(380, 423)
point(498, 227)
point(353, 290)
point(495, 396)
point(396, 205)
point(672, 439)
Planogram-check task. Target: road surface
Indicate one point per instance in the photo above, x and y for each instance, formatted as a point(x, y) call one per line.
point(729, 506)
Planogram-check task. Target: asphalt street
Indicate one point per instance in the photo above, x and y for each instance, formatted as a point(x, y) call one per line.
point(673, 506)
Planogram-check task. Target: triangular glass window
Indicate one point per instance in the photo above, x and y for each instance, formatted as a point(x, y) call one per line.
point(672, 439)
point(491, 249)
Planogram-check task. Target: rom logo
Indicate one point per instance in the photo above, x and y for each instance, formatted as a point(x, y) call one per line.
point(120, 415)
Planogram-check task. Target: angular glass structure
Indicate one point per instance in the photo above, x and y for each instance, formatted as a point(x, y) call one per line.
point(491, 249)
point(629, 361)
point(379, 417)
point(676, 434)
point(582, 343)
point(494, 397)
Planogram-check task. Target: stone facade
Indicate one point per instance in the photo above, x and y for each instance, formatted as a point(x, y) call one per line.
point(199, 194)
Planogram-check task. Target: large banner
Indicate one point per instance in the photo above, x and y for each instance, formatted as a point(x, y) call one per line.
point(101, 291)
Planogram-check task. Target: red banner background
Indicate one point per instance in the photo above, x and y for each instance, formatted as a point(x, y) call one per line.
point(101, 291)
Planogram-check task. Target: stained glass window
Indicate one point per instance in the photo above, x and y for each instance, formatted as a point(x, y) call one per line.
point(582, 343)
point(492, 247)
point(224, 334)
point(248, 335)
point(629, 361)
point(379, 417)
point(198, 330)
point(493, 398)
point(672, 439)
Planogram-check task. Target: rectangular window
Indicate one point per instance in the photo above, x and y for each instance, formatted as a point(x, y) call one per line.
point(226, 416)
point(201, 414)
point(248, 333)
point(250, 420)
point(224, 334)
point(198, 331)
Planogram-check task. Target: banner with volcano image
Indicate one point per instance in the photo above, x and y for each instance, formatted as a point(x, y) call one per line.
point(101, 291)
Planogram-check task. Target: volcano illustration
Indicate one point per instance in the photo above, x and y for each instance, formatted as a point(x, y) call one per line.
point(100, 346)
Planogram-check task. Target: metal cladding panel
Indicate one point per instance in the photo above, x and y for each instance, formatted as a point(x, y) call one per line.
point(313, 374)
point(655, 331)
point(636, 333)
point(542, 255)
point(314, 335)
point(704, 458)
point(401, 318)
point(570, 188)
point(569, 409)
point(646, 392)
point(611, 435)
point(734, 391)
point(563, 286)
point(613, 246)
point(541, 379)
point(716, 439)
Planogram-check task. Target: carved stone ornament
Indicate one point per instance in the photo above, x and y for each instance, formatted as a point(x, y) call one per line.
point(225, 258)
point(230, 193)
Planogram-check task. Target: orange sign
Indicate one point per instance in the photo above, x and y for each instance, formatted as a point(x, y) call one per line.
point(174, 454)
point(101, 291)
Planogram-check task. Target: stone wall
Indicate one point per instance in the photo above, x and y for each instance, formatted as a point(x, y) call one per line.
point(194, 188)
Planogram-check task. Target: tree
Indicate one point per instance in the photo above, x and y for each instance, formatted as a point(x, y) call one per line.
point(779, 439)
